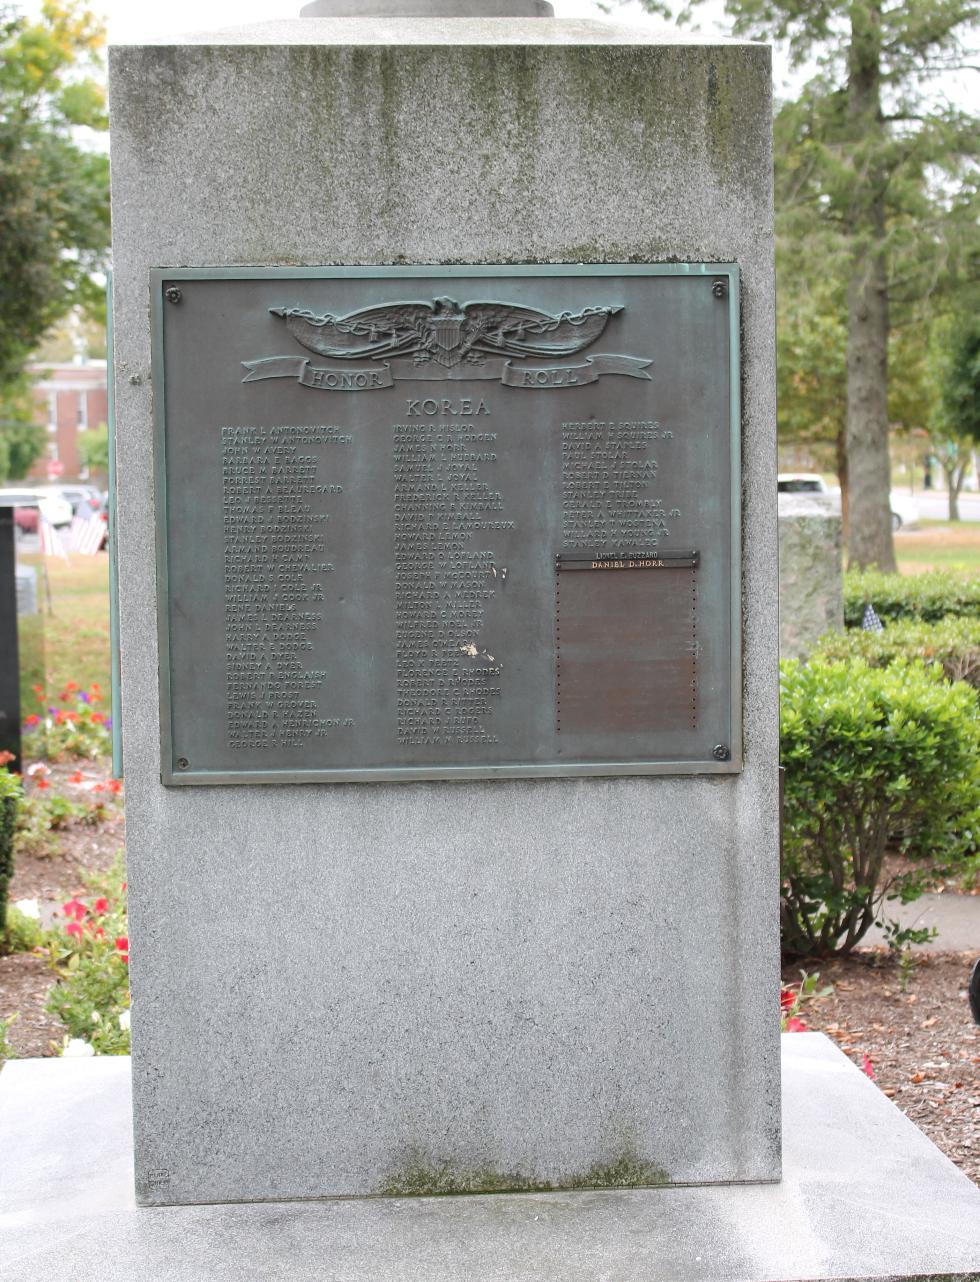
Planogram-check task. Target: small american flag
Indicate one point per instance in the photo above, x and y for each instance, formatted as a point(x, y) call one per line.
point(52, 543)
point(871, 622)
point(86, 534)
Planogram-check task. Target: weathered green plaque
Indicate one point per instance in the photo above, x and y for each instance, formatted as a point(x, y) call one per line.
point(434, 522)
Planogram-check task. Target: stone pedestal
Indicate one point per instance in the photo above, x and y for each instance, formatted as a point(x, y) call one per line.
point(864, 1196)
point(359, 989)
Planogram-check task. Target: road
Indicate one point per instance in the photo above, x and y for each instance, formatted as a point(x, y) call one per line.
point(935, 507)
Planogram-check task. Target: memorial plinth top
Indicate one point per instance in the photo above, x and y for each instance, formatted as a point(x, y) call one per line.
point(431, 30)
point(428, 9)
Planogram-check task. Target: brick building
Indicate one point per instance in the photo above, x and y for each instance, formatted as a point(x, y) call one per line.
point(72, 397)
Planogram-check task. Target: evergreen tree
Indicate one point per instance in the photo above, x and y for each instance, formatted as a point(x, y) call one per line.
point(54, 192)
point(876, 185)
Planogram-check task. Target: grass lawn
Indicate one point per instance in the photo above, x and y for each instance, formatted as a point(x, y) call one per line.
point(939, 545)
point(72, 642)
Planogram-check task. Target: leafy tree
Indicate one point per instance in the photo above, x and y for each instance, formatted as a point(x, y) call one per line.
point(954, 383)
point(93, 446)
point(961, 382)
point(811, 365)
point(22, 441)
point(54, 195)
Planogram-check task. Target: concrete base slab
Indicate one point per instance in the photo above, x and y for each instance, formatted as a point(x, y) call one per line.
point(864, 1196)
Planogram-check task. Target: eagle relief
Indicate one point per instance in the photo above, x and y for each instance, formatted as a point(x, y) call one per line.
point(445, 340)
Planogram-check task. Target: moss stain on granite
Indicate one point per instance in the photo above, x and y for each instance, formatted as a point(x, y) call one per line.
point(420, 1175)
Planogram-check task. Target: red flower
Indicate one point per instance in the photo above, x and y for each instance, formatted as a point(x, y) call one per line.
point(115, 785)
point(100, 906)
point(32, 720)
point(98, 933)
point(97, 718)
point(122, 947)
point(786, 998)
point(38, 690)
point(73, 928)
point(794, 1025)
point(98, 787)
point(74, 908)
point(124, 885)
point(42, 783)
point(76, 777)
point(867, 1067)
point(6, 757)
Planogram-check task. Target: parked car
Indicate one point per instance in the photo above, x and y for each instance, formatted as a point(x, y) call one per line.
point(904, 509)
point(76, 494)
point(801, 483)
point(52, 505)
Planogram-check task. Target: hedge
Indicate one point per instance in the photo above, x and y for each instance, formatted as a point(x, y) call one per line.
point(934, 595)
point(10, 794)
point(952, 642)
point(875, 759)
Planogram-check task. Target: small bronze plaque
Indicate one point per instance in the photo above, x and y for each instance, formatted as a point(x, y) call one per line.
point(447, 522)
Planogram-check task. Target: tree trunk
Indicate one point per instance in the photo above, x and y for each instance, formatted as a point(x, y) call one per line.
point(869, 537)
point(955, 476)
point(840, 445)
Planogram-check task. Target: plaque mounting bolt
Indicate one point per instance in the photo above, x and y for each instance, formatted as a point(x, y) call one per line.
point(719, 287)
point(720, 752)
point(173, 294)
point(182, 763)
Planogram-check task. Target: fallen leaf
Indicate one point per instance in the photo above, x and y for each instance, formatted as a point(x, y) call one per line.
point(928, 1023)
point(918, 1077)
point(890, 1091)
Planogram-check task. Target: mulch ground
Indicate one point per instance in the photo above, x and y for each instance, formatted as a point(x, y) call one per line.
point(25, 982)
point(918, 1033)
point(80, 849)
point(77, 850)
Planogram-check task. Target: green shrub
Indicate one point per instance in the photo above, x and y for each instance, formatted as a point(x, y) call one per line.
point(952, 642)
point(41, 818)
point(22, 934)
point(75, 729)
point(931, 596)
point(92, 999)
point(90, 954)
point(10, 795)
point(6, 1049)
point(873, 758)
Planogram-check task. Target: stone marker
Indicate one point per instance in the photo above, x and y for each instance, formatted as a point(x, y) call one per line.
point(26, 581)
point(489, 982)
point(811, 584)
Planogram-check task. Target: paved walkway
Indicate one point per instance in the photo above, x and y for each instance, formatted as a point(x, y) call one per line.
point(956, 917)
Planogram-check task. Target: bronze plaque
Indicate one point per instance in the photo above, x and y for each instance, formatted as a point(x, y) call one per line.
point(447, 522)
